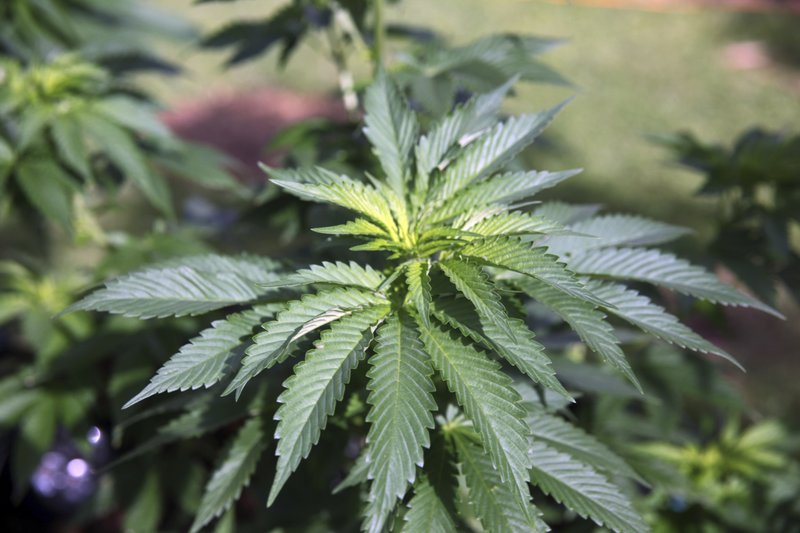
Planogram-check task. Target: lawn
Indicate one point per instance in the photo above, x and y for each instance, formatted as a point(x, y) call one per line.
point(635, 73)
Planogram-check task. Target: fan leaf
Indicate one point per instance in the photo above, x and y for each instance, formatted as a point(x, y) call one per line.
point(202, 361)
point(514, 254)
point(510, 337)
point(666, 270)
point(233, 474)
point(488, 400)
point(426, 512)
point(345, 274)
point(583, 490)
point(495, 503)
point(586, 321)
point(401, 398)
point(392, 129)
point(316, 386)
point(311, 312)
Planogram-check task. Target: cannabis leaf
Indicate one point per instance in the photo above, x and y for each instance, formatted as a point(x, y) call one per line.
point(437, 323)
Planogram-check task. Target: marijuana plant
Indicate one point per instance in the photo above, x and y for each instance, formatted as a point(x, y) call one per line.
point(67, 124)
point(438, 321)
point(755, 185)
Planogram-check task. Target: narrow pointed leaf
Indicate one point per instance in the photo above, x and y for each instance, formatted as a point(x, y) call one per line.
point(358, 227)
point(492, 151)
point(583, 490)
point(233, 474)
point(488, 400)
point(400, 418)
point(586, 321)
point(566, 213)
point(512, 339)
point(475, 115)
point(496, 504)
point(328, 187)
point(47, 188)
point(70, 144)
point(317, 384)
point(345, 274)
point(392, 128)
point(203, 361)
point(513, 254)
point(426, 511)
point(175, 291)
point(419, 288)
point(515, 223)
point(272, 346)
point(500, 190)
point(642, 312)
point(666, 270)
point(358, 474)
point(565, 437)
point(122, 150)
point(615, 230)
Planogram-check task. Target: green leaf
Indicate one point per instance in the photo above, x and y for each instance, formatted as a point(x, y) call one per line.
point(510, 337)
point(426, 512)
point(47, 188)
point(513, 254)
point(144, 513)
point(666, 270)
point(346, 274)
point(317, 384)
point(583, 490)
point(565, 437)
point(234, 473)
point(391, 127)
point(358, 474)
point(513, 223)
point(203, 361)
point(500, 190)
point(614, 230)
point(400, 418)
point(566, 213)
point(488, 400)
point(642, 312)
point(171, 291)
point(123, 152)
point(311, 312)
point(206, 414)
point(496, 504)
point(419, 288)
point(70, 144)
point(458, 127)
point(132, 114)
point(359, 226)
point(586, 321)
point(7, 158)
point(324, 186)
point(259, 270)
point(204, 165)
point(492, 151)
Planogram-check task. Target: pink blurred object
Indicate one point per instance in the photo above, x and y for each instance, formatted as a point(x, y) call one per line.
point(241, 123)
point(746, 55)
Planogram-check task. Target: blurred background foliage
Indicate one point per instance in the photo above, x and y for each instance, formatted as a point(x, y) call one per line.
point(717, 451)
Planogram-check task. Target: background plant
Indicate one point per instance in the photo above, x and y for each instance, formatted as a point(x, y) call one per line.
point(755, 184)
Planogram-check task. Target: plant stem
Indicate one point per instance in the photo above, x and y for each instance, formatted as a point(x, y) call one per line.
point(345, 77)
point(379, 35)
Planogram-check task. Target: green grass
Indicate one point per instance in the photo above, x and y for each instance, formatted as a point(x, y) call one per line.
point(636, 73)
